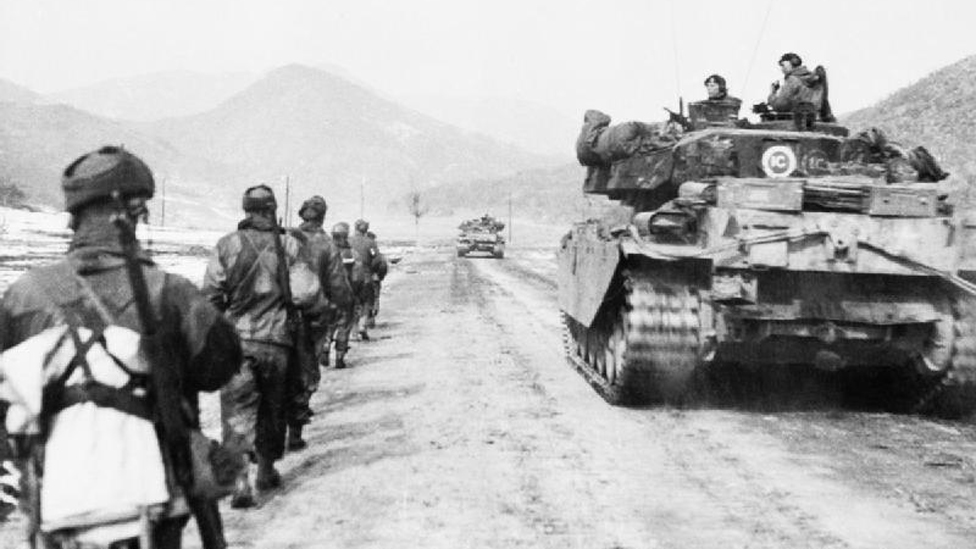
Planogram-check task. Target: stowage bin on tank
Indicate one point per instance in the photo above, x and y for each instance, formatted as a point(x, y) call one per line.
point(781, 242)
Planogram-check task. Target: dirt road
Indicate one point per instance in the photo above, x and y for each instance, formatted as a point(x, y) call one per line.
point(461, 425)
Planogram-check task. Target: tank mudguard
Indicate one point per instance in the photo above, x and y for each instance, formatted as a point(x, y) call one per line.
point(587, 264)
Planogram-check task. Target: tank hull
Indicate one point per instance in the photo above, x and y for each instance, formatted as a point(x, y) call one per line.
point(834, 290)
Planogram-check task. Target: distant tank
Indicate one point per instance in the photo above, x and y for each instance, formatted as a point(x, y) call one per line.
point(780, 242)
point(483, 234)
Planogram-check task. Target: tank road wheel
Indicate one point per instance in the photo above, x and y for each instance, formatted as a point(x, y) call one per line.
point(586, 350)
point(616, 349)
point(664, 344)
point(954, 395)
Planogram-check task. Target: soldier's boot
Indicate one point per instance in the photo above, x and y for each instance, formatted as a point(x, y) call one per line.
point(268, 477)
point(295, 440)
point(340, 361)
point(243, 496)
point(324, 358)
point(363, 334)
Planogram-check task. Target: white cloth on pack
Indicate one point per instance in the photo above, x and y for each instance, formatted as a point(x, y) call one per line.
point(101, 465)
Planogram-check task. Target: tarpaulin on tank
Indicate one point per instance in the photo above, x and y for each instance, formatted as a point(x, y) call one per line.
point(600, 144)
point(872, 146)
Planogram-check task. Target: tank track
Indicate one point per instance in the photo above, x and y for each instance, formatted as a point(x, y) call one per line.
point(646, 345)
point(954, 394)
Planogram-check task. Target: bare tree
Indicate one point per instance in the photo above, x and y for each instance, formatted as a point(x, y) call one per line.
point(418, 208)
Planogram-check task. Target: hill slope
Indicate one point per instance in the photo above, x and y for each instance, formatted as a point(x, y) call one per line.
point(328, 133)
point(38, 141)
point(15, 93)
point(938, 112)
point(157, 95)
point(553, 195)
point(532, 126)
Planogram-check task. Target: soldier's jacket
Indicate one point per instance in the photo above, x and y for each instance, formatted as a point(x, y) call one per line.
point(326, 261)
point(800, 86)
point(197, 341)
point(356, 271)
point(365, 247)
point(242, 281)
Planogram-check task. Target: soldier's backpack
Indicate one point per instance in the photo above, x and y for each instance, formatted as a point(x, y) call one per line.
point(83, 391)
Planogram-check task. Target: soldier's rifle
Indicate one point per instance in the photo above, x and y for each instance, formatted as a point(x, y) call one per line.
point(166, 397)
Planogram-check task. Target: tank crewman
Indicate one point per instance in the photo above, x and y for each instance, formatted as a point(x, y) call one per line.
point(717, 90)
point(92, 282)
point(800, 85)
point(379, 269)
point(326, 262)
point(367, 251)
point(242, 280)
point(356, 272)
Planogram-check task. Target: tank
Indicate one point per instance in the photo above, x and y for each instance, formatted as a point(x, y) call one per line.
point(769, 244)
point(481, 235)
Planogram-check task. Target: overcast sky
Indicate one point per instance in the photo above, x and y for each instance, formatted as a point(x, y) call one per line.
point(628, 58)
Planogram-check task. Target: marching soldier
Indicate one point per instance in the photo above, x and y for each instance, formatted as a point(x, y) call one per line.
point(356, 273)
point(379, 269)
point(93, 289)
point(243, 280)
point(368, 253)
point(326, 262)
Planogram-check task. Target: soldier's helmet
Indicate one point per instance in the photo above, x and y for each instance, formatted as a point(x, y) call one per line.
point(259, 198)
point(340, 229)
point(362, 225)
point(97, 175)
point(313, 208)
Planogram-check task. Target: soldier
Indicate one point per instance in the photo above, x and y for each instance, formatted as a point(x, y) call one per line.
point(800, 85)
point(242, 279)
point(379, 269)
point(92, 288)
point(356, 273)
point(326, 262)
point(368, 252)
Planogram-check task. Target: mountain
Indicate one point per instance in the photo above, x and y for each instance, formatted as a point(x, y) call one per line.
point(328, 134)
point(14, 93)
point(937, 112)
point(37, 141)
point(553, 195)
point(532, 126)
point(156, 95)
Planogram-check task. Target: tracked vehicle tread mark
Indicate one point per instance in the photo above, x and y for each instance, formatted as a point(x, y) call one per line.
point(648, 343)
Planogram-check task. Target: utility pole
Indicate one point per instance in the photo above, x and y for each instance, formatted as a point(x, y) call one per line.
point(509, 217)
point(287, 201)
point(362, 197)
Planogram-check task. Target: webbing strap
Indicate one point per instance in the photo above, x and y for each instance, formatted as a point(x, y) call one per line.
point(104, 396)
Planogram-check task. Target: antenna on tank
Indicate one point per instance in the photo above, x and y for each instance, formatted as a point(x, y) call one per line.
point(674, 48)
point(755, 49)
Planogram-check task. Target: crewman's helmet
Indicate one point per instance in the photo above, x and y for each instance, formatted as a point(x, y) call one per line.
point(96, 175)
point(362, 225)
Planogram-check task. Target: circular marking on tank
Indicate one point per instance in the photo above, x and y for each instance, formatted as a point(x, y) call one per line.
point(779, 161)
